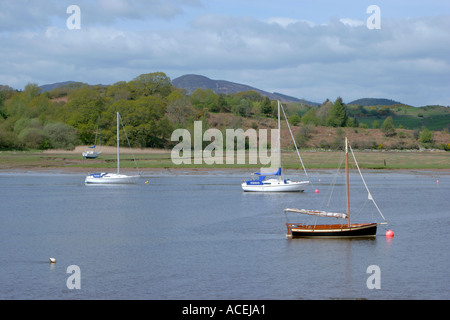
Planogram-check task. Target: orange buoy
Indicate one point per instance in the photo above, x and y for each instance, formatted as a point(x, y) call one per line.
point(389, 233)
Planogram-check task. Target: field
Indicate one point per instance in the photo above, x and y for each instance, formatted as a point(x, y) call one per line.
point(161, 159)
point(434, 118)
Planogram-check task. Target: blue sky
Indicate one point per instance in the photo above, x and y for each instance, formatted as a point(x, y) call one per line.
point(315, 50)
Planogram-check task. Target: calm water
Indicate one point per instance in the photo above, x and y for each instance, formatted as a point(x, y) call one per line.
point(186, 236)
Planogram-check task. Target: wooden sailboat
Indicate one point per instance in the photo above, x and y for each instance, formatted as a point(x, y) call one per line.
point(112, 178)
point(344, 230)
point(259, 183)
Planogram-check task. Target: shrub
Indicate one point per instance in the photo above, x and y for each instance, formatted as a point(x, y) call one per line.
point(388, 127)
point(294, 120)
point(32, 138)
point(61, 136)
point(426, 136)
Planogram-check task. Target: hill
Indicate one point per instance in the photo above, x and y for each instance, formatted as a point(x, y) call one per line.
point(374, 102)
point(153, 108)
point(191, 82)
point(52, 86)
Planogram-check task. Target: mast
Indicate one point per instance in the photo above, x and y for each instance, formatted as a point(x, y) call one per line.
point(118, 158)
point(279, 139)
point(346, 172)
point(99, 134)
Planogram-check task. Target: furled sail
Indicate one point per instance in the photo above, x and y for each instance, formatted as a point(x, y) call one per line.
point(319, 213)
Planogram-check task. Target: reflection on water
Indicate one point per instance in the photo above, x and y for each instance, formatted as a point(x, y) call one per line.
point(200, 237)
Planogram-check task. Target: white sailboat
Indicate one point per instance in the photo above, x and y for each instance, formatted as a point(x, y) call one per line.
point(92, 154)
point(259, 183)
point(112, 178)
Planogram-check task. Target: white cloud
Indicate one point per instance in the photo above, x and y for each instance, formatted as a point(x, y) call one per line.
point(352, 22)
point(406, 60)
point(286, 21)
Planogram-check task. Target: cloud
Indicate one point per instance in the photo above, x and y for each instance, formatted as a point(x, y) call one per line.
point(408, 59)
point(342, 57)
point(23, 15)
point(33, 15)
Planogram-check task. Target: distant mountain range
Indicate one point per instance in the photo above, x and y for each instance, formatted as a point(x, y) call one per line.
point(191, 82)
point(50, 87)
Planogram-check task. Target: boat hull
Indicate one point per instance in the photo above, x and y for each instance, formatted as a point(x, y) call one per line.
point(331, 231)
point(277, 186)
point(110, 178)
point(91, 154)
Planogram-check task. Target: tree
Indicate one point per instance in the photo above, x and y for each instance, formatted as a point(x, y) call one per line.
point(338, 114)
point(222, 103)
point(244, 108)
point(31, 91)
point(208, 99)
point(375, 124)
point(61, 136)
point(32, 137)
point(294, 120)
point(426, 136)
point(6, 92)
point(179, 111)
point(151, 83)
point(388, 127)
point(266, 106)
point(119, 91)
point(84, 106)
point(310, 117)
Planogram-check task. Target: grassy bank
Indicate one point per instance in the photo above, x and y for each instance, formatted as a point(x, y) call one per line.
point(146, 159)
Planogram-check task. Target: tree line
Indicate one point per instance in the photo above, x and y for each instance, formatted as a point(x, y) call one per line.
point(150, 107)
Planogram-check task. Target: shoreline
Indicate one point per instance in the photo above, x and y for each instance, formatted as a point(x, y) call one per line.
point(159, 160)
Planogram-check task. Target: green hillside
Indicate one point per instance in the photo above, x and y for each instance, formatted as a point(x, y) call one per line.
point(432, 117)
point(152, 108)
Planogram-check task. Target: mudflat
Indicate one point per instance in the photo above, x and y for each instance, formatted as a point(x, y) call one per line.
point(148, 159)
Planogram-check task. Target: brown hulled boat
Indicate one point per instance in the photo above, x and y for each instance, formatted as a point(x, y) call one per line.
point(343, 230)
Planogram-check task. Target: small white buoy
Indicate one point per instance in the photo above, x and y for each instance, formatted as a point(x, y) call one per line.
point(52, 260)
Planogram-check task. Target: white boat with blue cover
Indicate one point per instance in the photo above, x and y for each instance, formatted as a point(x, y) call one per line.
point(112, 178)
point(259, 183)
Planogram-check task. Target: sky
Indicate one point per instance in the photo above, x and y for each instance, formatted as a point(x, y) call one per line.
point(315, 50)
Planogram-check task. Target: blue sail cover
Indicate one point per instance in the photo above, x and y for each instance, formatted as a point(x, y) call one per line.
point(92, 146)
point(99, 175)
point(262, 176)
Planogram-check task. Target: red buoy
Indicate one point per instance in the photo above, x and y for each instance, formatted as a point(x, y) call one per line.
point(389, 233)
point(316, 191)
